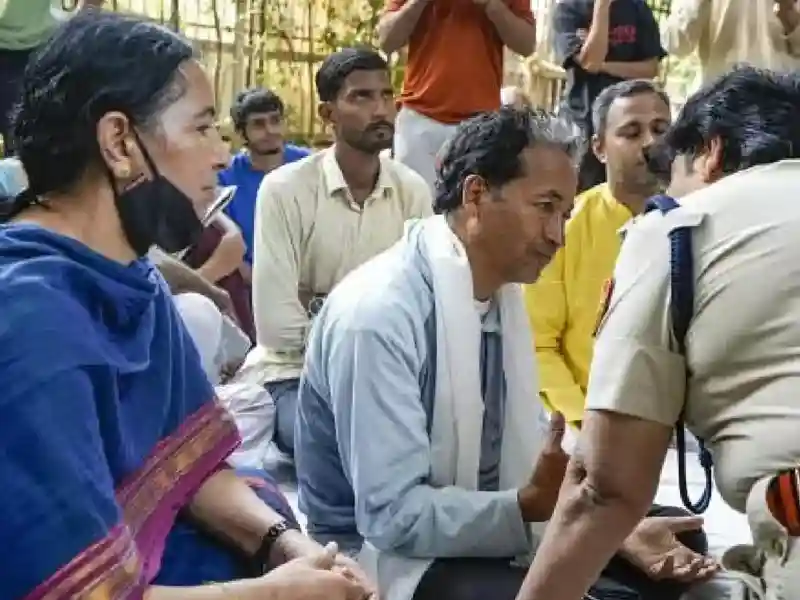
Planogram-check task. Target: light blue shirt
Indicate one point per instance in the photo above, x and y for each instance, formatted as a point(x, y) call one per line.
point(364, 418)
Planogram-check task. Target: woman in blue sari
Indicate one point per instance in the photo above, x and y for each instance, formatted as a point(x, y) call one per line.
point(112, 447)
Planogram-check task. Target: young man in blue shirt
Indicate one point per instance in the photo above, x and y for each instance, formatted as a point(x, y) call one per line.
point(258, 116)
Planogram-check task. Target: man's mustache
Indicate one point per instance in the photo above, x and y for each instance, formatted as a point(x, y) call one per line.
point(380, 125)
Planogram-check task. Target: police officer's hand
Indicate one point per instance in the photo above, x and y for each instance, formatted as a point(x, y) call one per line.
point(538, 498)
point(655, 548)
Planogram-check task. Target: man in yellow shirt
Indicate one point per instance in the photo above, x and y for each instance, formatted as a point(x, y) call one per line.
point(565, 303)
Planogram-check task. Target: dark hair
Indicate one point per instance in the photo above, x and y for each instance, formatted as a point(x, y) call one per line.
point(623, 89)
point(96, 62)
point(253, 101)
point(490, 144)
point(753, 114)
point(337, 66)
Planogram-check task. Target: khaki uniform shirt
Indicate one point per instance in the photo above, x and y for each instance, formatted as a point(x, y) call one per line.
point(743, 394)
point(309, 234)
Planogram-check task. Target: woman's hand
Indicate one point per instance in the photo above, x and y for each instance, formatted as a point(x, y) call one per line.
point(293, 545)
point(316, 577)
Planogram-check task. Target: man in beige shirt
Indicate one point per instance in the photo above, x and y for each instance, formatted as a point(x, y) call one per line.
point(762, 33)
point(319, 218)
point(737, 173)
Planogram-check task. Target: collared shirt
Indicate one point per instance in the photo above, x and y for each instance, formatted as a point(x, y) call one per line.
point(247, 179)
point(309, 234)
point(743, 351)
point(726, 32)
point(564, 303)
point(365, 412)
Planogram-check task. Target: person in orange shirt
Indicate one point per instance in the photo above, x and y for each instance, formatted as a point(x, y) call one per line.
point(565, 303)
point(455, 66)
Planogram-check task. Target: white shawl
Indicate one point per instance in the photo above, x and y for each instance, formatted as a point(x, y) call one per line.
point(458, 403)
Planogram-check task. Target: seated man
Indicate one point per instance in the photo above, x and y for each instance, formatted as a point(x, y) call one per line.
point(564, 302)
point(425, 350)
point(322, 216)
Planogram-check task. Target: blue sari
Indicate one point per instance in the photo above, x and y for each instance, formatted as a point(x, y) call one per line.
point(108, 427)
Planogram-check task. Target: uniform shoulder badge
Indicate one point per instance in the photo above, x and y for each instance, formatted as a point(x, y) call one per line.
point(605, 302)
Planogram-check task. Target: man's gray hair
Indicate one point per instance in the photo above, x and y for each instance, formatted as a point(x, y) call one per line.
point(489, 144)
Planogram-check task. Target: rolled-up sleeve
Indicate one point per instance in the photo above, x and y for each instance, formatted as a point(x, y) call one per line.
point(637, 369)
point(381, 430)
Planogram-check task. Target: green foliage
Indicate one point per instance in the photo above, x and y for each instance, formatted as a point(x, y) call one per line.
point(307, 32)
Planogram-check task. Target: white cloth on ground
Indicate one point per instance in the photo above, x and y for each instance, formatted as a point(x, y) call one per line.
point(253, 409)
point(203, 320)
point(217, 339)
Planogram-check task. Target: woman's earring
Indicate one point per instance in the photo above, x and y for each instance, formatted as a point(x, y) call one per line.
point(124, 172)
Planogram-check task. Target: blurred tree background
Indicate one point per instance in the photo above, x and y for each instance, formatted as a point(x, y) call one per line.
point(280, 43)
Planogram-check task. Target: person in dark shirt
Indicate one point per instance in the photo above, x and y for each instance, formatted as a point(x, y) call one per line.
point(599, 43)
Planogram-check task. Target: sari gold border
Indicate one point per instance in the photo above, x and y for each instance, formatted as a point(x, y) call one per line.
point(112, 568)
point(208, 429)
point(108, 570)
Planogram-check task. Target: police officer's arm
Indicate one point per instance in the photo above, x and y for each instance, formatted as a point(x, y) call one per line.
point(636, 392)
point(546, 303)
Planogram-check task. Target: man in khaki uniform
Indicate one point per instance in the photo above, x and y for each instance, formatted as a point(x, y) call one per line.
point(736, 171)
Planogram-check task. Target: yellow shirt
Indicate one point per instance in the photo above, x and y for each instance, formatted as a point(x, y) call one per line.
point(564, 304)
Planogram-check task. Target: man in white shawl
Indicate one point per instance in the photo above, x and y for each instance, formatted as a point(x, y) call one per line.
point(421, 443)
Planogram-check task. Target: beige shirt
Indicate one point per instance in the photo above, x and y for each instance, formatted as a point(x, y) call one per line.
point(726, 32)
point(309, 234)
point(743, 395)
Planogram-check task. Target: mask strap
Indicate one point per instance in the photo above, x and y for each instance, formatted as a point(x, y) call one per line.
point(147, 158)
